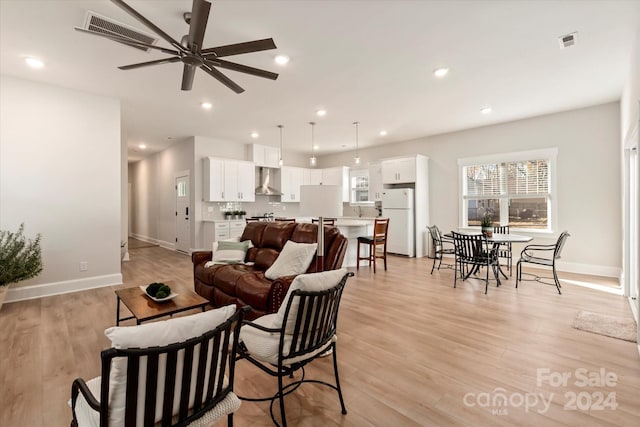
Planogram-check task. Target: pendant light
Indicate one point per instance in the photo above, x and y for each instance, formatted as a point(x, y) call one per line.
point(357, 158)
point(312, 159)
point(280, 162)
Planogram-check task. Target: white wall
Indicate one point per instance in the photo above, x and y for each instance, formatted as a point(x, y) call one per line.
point(589, 201)
point(60, 164)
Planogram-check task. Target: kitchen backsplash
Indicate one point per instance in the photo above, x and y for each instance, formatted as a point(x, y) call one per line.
point(271, 204)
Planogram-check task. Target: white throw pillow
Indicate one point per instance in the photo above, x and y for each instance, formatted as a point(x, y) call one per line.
point(293, 259)
point(312, 282)
point(151, 335)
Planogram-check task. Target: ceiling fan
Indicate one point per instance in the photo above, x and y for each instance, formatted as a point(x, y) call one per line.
point(189, 50)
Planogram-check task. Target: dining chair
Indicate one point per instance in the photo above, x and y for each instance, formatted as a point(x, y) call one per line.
point(505, 249)
point(534, 254)
point(325, 221)
point(474, 251)
point(379, 238)
point(438, 244)
point(285, 219)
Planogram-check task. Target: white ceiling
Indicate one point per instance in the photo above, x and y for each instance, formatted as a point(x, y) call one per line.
point(363, 60)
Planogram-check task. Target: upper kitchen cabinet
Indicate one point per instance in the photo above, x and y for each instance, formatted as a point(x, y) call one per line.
point(399, 171)
point(291, 180)
point(312, 176)
point(338, 176)
point(375, 182)
point(265, 155)
point(226, 180)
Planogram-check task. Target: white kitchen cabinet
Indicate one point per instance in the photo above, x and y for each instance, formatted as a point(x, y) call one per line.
point(236, 228)
point(291, 180)
point(220, 230)
point(398, 171)
point(226, 180)
point(375, 182)
point(338, 176)
point(312, 176)
point(265, 155)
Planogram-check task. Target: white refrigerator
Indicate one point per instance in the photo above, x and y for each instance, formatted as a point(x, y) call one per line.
point(397, 205)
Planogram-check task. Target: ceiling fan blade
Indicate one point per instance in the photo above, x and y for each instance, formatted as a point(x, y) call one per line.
point(238, 48)
point(148, 63)
point(128, 41)
point(222, 78)
point(242, 69)
point(198, 24)
point(131, 11)
point(187, 77)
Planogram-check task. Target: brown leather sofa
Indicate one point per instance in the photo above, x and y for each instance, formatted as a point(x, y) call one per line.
point(245, 285)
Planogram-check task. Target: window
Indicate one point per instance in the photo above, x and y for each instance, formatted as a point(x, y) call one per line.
point(359, 186)
point(513, 189)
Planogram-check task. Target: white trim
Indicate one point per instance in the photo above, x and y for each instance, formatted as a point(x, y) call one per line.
point(550, 154)
point(161, 243)
point(57, 288)
point(590, 269)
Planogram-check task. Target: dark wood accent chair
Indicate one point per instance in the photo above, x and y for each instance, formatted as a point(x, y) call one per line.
point(379, 238)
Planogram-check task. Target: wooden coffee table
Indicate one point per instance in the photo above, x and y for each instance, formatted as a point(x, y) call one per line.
point(144, 308)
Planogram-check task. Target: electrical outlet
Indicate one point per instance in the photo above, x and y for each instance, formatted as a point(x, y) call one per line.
point(84, 265)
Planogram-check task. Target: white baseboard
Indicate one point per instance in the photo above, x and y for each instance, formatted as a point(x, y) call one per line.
point(161, 243)
point(57, 288)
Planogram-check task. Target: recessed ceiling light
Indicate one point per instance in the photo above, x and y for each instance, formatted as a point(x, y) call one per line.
point(486, 110)
point(254, 135)
point(206, 105)
point(440, 72)
point(142, 146)
point(383, 133)
point(321, 113)
point(281, 59)
point(34, 62)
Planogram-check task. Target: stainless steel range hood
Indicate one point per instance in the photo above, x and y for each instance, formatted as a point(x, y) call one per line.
point(264, 189)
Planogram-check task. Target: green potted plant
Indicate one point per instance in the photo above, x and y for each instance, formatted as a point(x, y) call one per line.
point(20, 259)
point(487, 226)
point(236, 215)
point(227, 215)
point(243, 214)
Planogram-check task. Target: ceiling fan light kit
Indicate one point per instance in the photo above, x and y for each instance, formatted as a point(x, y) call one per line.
point(189, 50)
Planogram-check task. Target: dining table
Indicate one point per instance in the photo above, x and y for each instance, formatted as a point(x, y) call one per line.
point(497, 239)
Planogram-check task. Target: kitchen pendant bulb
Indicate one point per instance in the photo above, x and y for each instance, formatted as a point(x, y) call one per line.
point(312, 161)
point(357, 160)
point(280, 162)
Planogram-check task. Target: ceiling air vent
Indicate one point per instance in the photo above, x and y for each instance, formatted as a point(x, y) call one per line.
point(568, 40)
point(102, 24)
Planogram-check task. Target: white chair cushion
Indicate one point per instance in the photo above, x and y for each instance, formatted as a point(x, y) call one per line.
point(312, 282)
point(294, 258)
point(87, 417)
point(264, 345)
point(152, 335)
point(85, 414)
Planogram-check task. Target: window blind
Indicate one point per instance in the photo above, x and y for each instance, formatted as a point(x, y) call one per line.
point(512, 179)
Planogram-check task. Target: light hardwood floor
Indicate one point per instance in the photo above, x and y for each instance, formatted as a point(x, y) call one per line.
point(412, 351)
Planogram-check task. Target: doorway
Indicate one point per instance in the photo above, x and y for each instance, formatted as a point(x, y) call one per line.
point(183, 223)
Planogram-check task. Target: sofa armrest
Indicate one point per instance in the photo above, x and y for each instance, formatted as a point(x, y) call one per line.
point(279, 289)
point(201, 256)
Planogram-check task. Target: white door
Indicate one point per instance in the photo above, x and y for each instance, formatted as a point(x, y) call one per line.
point(183, 227)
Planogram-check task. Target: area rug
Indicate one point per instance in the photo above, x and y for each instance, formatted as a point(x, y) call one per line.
point(611, 326)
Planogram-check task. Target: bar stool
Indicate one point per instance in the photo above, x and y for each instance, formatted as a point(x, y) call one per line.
point(379, 238)
point(325, 221)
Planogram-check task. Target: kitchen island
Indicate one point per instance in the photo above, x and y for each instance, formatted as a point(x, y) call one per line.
point(352, 228)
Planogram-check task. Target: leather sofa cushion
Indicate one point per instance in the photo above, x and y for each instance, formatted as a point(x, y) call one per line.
point(227, 277)
point(251, 289)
